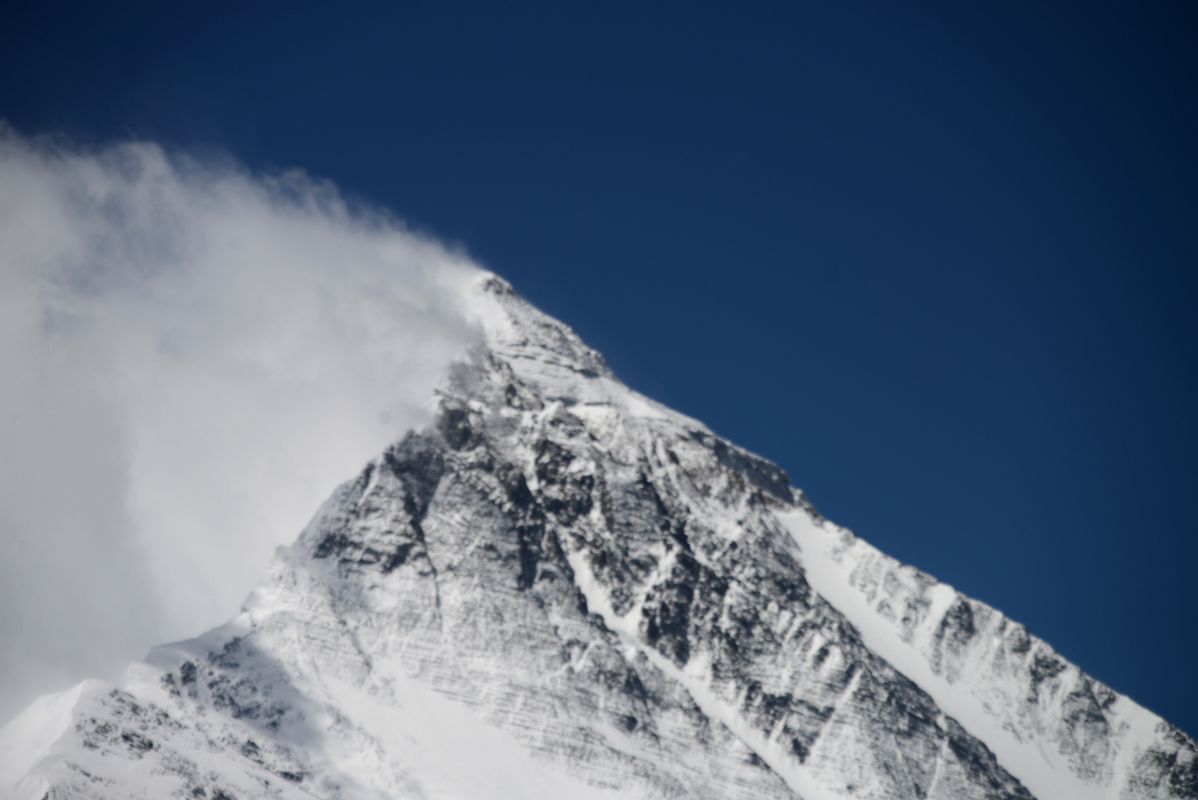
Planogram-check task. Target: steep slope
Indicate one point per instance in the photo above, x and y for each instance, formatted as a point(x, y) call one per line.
point(564, 589)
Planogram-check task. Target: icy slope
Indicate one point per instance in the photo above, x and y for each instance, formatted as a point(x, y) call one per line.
point(564, 589)
point(1064, 733)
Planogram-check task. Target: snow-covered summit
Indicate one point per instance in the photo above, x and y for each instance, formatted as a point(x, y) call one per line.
point(562, 588)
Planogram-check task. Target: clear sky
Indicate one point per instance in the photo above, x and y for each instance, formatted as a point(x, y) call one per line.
point(937, 260)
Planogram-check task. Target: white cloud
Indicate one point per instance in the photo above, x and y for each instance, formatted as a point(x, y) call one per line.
point(191, 358)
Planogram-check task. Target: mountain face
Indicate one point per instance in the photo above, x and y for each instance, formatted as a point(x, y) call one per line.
point(563, 589)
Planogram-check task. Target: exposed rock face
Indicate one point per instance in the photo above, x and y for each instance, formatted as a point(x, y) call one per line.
point(564, 589)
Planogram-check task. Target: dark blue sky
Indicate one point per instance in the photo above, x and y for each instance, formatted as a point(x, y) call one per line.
point(938, 262)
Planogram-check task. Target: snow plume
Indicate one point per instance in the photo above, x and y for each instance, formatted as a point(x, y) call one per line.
point(192, 357)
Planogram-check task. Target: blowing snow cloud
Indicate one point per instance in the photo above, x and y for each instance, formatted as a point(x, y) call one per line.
point(192, 358)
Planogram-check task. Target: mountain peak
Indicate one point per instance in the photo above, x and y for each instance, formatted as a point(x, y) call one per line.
point(516, 331)
point(562, 587)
